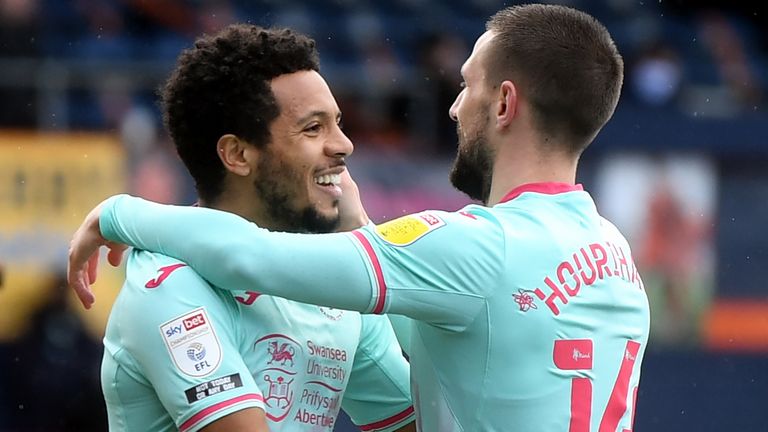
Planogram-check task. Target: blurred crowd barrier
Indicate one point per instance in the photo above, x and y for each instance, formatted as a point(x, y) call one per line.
point(49, 347)
point(48, 183)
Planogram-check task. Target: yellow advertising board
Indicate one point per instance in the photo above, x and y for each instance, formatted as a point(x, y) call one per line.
point(48, 183)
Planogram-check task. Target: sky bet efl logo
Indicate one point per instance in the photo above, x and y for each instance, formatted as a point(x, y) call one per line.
point(192, 343)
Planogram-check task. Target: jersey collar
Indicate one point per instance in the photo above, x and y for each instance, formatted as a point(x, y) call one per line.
point(548, 188)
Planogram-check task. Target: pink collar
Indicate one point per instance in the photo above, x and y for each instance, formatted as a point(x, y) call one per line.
point(549, 188)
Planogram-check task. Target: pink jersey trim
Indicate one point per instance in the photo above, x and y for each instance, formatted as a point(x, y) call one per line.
point(200, 416)
point(382, 286)
point(388, 421)
point(549, 188)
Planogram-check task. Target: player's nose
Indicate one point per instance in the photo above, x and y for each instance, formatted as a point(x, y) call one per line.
point(452, 112)
point(340, 145)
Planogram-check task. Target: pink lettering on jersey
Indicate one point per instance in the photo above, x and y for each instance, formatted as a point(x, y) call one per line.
point(622, 262)
point(585, 267)
point(573, 354)
point(552, 298)
point(581, 405)
point(566, 267)
point(589, 280)
point(617, 404)
point(601, 259)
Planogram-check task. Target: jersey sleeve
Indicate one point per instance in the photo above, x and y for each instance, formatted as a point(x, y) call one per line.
point(378, 396)
point(176, 331)
point(436, 267)
point(231, 252)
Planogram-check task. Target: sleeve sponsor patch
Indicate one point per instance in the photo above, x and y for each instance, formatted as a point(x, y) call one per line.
point(192, 343)
point(210, 388)
point(407, 229)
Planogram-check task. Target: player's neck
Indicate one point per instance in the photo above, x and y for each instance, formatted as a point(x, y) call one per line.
point(513, 170)
point(232, 201)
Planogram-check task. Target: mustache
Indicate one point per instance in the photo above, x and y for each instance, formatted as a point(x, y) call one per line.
point(339, 163)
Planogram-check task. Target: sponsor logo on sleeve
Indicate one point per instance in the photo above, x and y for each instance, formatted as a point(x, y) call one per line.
point(213, 387)
point(192, 343)
point(407, 229)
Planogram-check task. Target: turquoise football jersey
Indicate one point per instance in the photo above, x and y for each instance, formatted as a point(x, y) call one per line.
point(527, 316)
point(312, 360)
point(180, 354)
point(172, 362)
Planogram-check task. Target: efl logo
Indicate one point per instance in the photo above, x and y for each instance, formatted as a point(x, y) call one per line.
point(195, 321)
point(192, 343)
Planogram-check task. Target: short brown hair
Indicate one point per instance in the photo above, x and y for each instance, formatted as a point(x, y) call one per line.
point(564, 62)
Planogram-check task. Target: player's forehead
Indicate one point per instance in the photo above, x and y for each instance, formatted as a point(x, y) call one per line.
point(303, 93)
point(473, 67)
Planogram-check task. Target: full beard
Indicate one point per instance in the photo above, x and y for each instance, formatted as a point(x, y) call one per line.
point(472, 170)
point(274, 186)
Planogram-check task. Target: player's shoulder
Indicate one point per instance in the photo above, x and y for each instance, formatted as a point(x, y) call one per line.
point(611, 231)
point(157, 287)
point(406, 230)
point(151, 271)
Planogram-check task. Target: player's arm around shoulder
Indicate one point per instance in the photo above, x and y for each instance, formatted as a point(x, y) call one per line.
point(378, 396)
point(181, 335)
point(437, 267)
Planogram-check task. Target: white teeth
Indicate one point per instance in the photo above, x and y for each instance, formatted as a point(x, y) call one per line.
point(326, 179)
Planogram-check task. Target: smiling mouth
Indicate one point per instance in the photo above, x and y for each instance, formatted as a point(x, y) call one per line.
point(328, 180)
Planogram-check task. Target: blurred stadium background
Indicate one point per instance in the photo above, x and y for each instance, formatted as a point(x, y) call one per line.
point(682, 168)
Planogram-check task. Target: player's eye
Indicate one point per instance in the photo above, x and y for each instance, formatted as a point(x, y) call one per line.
point(313, 128)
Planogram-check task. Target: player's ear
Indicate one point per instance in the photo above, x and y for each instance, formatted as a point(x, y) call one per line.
point(236, 154)
point(506, 104)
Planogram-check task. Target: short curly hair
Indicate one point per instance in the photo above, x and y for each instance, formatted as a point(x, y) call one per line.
point(222, 86)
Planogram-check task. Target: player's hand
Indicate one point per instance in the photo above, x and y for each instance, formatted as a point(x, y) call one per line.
point(84, 256)
point(351, 212)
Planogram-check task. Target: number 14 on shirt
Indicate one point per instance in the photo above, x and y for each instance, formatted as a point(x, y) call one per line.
point(577, 354)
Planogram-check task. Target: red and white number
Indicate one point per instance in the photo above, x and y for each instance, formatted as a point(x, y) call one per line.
point(577, 354)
